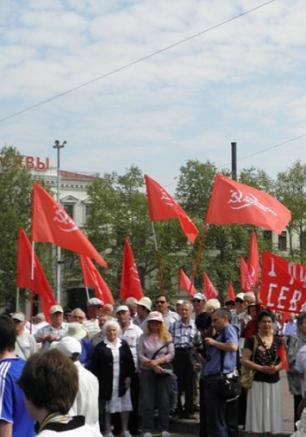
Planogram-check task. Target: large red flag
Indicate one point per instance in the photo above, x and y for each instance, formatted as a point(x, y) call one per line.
point(185, 283)
point(39, 284)
point(233, 202)
point(162, 206)
point(52, 224)
point(253, 261)
point(209, 289)
point(130, 281)
point(93, 279)
point(230, 291)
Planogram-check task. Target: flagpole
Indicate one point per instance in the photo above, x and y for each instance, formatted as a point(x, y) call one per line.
point(58, 147)
point(33, 261)
point(87, 293)
point(161, 278)
point(17, 299)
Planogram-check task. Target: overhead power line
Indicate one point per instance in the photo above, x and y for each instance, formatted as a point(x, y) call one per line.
point(266, 149)
point(134, 62)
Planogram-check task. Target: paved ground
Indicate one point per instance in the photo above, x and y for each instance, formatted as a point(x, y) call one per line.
point(186, 428)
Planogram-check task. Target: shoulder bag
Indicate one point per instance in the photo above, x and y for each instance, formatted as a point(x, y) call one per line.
point(229, 386)
point(167, 367)
point(247, 374)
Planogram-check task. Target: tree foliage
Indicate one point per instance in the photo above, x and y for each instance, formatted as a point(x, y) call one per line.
point(15, 205)
point(194, 184)
point(291, 190)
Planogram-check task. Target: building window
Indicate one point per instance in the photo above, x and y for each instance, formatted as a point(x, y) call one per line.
point(69, 208)
point(267, 236)
point(303, 240)
point(282, 241)
point(87, 213)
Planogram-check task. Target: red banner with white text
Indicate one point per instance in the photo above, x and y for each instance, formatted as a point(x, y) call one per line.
point(283, 286)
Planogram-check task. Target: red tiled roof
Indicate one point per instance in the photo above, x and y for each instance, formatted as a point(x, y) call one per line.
point(78, 176)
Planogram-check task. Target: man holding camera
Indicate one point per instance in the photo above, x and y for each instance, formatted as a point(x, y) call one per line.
point(220, 344)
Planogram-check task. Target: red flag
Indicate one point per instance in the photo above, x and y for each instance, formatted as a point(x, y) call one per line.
point(209, 290)
point(39, 284)
point(253, 261)
point(185, 283)
point(130, 281)
point(283, 284)
point(52, 224)
point(233, 202)
point(93, 279)
point(246, 278)
point(230, 291)
point(162, 206)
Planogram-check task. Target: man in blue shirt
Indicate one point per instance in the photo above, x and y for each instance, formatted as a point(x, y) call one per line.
point(14, 419)
point(220, 357)
point(183, 332)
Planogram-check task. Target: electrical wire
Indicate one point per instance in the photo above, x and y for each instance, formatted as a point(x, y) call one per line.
point(136, 61)
point(266, 149)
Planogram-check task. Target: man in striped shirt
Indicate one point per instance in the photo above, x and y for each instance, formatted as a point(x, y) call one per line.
point(183, 332)
point(14, 419)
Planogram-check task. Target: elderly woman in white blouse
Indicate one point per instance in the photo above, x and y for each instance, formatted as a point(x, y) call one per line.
point(113, 365)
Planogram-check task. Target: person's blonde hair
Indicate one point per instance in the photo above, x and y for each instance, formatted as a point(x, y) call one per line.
point(163, 332)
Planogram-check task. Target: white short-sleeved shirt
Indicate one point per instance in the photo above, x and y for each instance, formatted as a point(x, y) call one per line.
point(25, 345)
point(87, 400)
point(132, 335)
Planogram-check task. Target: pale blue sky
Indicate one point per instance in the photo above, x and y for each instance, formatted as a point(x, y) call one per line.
point(244, 82)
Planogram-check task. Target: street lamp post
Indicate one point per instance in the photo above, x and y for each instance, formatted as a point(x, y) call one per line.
point(58, 147)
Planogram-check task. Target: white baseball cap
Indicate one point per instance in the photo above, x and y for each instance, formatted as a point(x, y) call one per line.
point(198, 296)
point(68, 346)
point(56, 309)
point(122, 308)
point(95, 301)
point(131, 301)
point(18, 316)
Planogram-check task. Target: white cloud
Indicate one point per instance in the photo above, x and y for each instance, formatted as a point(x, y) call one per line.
point(241, 81)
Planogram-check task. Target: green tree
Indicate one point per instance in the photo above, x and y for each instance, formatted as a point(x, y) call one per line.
point(257, 178)
point(119, 209)
point(194, 185)
point(15, 204)
point(291, 191)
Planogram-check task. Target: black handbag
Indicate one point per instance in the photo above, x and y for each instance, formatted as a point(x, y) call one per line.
point(167, 367)
point(229, 387)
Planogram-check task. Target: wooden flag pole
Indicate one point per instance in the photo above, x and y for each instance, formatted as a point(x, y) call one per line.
point(161, 277)
point(33, 261)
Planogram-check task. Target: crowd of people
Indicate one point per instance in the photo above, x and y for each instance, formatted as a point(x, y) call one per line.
point(127, 370)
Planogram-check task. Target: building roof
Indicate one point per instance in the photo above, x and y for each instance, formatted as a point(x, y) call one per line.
point(78, 176)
